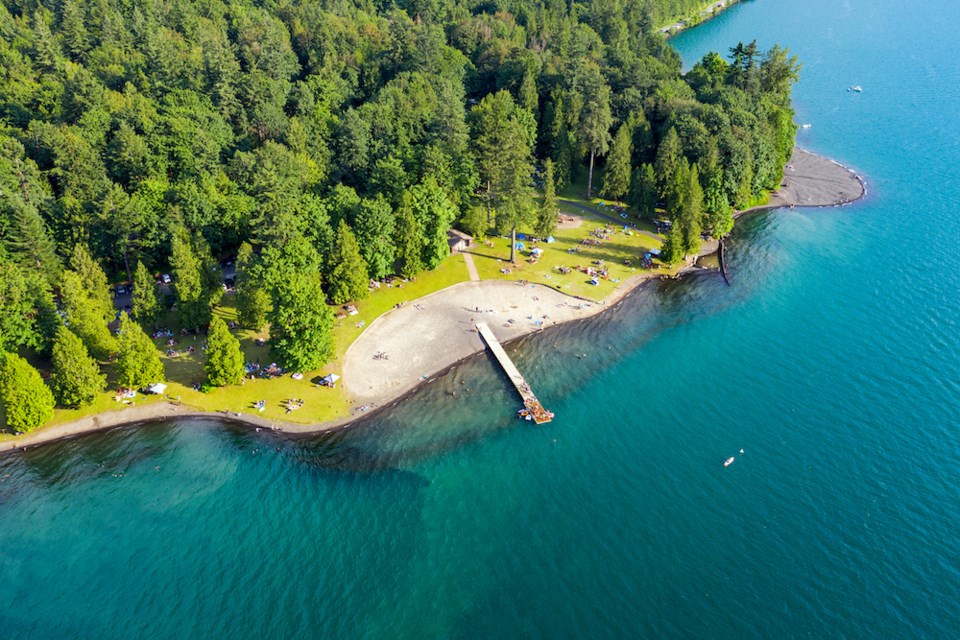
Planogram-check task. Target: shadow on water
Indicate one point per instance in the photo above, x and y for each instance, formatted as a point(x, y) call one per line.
point(109, 452)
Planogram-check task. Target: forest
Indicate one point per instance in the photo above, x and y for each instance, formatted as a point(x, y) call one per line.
point(324, 143)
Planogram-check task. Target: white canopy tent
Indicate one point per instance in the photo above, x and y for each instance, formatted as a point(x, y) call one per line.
point(329, 380)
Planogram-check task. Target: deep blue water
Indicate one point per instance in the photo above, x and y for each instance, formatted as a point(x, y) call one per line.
point(832, 361)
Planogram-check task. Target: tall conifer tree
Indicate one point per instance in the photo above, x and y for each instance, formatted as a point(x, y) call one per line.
point(84, 315)
point(595, 123)
point(691, 216)
point(643, 191)
point(409, 240)
point(616, 180)
point(94, 282)
point(146, 307)
point(253, 300)
point(138, 362)
point(547, 215)
point(225, 363)
point(348, 278)
point(76, 376)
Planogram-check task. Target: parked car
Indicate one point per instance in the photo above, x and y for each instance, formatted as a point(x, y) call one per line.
point(121, 290)
point(165, 278)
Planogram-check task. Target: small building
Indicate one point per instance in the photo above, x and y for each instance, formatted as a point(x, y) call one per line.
point(458, 240)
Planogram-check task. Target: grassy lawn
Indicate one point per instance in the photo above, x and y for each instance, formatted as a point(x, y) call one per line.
point(320, 403)
point(451, 271)
point(620, 249)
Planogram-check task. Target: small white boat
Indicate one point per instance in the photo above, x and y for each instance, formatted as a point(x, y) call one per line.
point(728, 461)
point(857, 88)
point(805, 126)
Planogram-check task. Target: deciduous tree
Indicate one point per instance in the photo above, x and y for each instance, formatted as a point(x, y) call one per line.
point(435, 213)
point(26, 399)
point(301, 323)
point(18, 310)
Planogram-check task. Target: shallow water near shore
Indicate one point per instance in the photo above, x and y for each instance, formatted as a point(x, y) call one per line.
point(831, 361)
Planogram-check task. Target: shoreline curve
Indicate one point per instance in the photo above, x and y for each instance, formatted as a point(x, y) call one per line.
point(810, 180)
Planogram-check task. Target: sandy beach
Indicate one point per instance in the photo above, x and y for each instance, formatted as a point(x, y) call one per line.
point(424, 337)
point(413, 343)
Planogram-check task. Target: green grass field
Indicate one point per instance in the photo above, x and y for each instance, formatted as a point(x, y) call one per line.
point(621, 254)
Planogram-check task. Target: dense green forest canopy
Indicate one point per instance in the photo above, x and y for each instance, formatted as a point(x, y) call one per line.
point(171, 132)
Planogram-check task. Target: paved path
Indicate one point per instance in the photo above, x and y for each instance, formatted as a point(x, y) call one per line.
point(471, 268)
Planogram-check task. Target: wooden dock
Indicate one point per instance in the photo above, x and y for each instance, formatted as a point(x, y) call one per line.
point(534, 410)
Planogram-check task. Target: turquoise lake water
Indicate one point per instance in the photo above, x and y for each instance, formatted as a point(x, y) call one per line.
point(832, 362)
